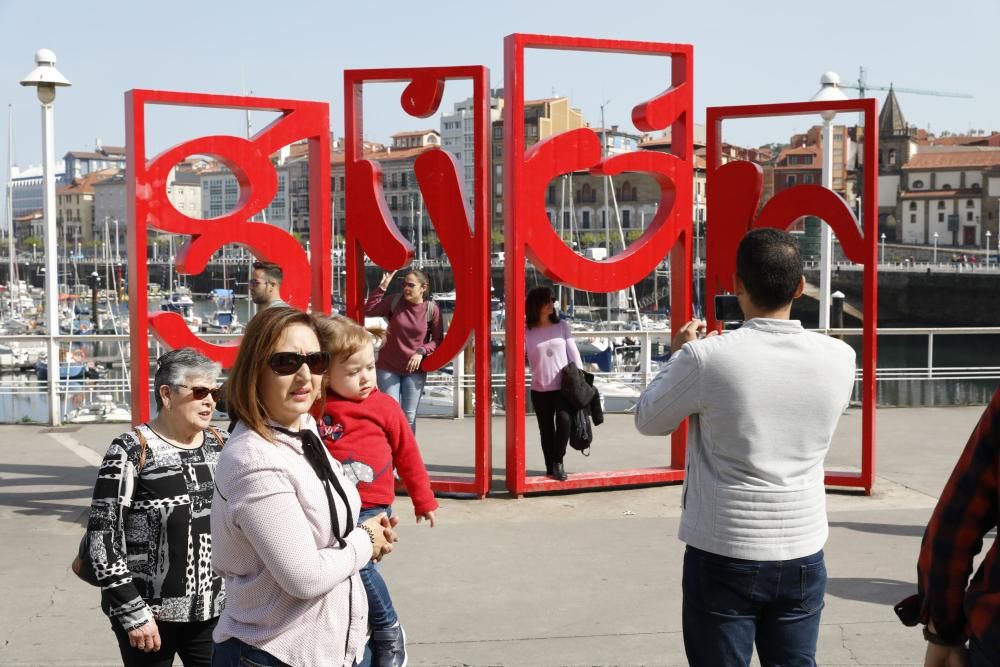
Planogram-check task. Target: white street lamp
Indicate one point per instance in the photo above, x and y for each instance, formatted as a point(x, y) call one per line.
point(830, 91)
point(46, 78)
point(883, 248)
point(934, 256)
point(988, 235)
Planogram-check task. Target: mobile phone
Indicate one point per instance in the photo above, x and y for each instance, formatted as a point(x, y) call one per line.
point(728, 312)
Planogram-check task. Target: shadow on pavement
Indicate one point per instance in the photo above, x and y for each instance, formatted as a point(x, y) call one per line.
point(30, 499)
point(881, 528)
point(877, 591)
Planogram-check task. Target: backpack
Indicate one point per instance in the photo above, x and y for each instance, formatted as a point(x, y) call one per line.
point(82, 566)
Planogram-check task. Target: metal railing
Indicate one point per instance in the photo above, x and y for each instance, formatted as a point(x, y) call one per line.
point(636, 374)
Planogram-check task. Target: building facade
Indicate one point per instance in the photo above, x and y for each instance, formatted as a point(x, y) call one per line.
point(457, 137)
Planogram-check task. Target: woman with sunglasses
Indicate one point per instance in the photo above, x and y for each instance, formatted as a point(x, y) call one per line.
point(285, 530)
point(149, 534)
point(415, 330)
point(549, 347)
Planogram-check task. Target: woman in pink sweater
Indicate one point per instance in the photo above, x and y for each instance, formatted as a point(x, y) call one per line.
point(549, 347)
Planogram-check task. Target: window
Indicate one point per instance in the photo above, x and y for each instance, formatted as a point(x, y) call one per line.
point(402, 179)
point(946, 186)
point(892, 157)
point(807, 178)
point(498, 170)
point(790, 179)
point(586, 220)
point(566, 221)
point(940, 217)
point(917, 185)
point(913, 206)
point(499, 207)
point(626, 218)
point(392, 202)
point(498, 189)
point(552, 194)
point(968, 216)
point(969, 204)
point(913, 218)
point(940, 205)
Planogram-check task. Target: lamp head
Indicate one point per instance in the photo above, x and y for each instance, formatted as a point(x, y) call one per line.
point(45, 77)
point(829, 91)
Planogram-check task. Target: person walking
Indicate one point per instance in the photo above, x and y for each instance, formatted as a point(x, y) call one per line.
point(415, 331)
point(550, 348)
point(285, 528)
point(149, 534)
point(265, 285)
point(762, 402)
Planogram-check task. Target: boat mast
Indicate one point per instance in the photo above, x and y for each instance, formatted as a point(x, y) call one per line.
point(9, 211)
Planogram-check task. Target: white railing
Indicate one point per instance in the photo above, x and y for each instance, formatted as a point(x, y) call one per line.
point(637, 376)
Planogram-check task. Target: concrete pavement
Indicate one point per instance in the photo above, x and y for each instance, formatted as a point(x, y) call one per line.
point(589, 578)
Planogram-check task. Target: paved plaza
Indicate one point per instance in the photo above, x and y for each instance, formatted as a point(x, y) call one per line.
point(588, 578)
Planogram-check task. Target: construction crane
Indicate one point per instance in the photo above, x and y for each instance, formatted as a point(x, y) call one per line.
point(862, 85)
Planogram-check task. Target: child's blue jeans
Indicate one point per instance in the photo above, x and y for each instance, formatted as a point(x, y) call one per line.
point(381, 613)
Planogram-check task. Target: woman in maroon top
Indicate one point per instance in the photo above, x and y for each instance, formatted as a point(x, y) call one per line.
point(412, 336)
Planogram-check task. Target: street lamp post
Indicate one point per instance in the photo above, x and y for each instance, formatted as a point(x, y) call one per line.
point(883, 248)
point(46, 78)
point(934, 254)
point(830, 91)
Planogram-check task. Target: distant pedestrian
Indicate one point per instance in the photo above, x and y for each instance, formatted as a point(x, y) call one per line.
point(415, 331)
point(368, 433)
point(550, 348)
point(149, 532)
point(953, 608)
point(265, 285)
point(762, 403)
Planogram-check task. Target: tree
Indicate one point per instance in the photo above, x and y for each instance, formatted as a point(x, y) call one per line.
point(32, 242)
point(588, 239)
point(496, 237)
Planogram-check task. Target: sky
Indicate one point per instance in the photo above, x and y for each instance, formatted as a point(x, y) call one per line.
point(744, 53)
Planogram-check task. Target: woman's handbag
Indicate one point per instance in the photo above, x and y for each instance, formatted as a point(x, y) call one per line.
point(82, 565)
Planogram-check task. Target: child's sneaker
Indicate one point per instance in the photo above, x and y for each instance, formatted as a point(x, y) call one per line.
point(389, 647)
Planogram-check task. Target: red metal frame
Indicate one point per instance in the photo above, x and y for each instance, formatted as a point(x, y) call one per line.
point(370, 229)
point(249, 160)
point(529, 234)
point(733, 211)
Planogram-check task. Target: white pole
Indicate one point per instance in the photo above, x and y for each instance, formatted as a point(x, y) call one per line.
point(934, 257)
point(825, 234)
point(51, 268)
point(118, 250)
point(10, 196)
point(420, 234)
point(883, 249)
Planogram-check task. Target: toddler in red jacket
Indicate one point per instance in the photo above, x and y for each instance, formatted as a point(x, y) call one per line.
point(367, 431)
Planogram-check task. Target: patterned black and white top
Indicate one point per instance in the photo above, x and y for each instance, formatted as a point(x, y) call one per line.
point(150, 535)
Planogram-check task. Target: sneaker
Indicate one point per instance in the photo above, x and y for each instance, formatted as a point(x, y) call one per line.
point(389, 647)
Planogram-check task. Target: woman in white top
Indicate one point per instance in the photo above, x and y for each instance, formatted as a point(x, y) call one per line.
point(284, 517)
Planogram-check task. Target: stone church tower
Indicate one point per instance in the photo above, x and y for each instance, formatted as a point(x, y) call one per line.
point(896, 140)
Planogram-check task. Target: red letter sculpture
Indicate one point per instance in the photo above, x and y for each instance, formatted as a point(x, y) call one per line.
point(370, 229)
point(530, 235)
point(733, 191)
point(249, 161)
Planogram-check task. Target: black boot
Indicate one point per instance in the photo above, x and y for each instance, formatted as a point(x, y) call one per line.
point(389, 647)
point(559, 472)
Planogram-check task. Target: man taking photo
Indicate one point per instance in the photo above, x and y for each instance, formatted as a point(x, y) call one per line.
point(763, 403)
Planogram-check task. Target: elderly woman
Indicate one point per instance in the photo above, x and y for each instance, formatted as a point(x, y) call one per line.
point(149, 533)
point(285, 520)
point(415, 330)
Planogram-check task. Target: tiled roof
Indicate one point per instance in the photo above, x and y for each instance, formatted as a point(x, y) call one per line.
point(85, 184)
point(387, 155)
point(985, 157)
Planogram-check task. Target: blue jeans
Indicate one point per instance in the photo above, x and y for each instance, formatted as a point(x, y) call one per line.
point(381, 613)
point(236, 653)
point(730, 603)
point(404, 388)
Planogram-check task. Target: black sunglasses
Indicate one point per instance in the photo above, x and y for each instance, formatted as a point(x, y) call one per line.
point(199, 393)
point(287, 363)
point(411, 285)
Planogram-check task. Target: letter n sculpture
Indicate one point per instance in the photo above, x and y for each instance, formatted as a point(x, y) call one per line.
point(733, 192)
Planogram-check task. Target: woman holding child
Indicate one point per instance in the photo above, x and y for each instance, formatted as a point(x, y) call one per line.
point(285, 527)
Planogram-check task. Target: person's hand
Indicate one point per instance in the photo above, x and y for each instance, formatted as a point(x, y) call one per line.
point(381, 527)
point(145, 638)
point(413, 363)
point(429, 516)
point(690, 332)
point(944, 656)
point(386, 280)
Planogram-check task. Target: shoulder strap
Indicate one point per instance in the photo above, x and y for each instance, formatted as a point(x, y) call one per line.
point(393, 302)
point(431, 310)
point(143, 448)
point(218, 436)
